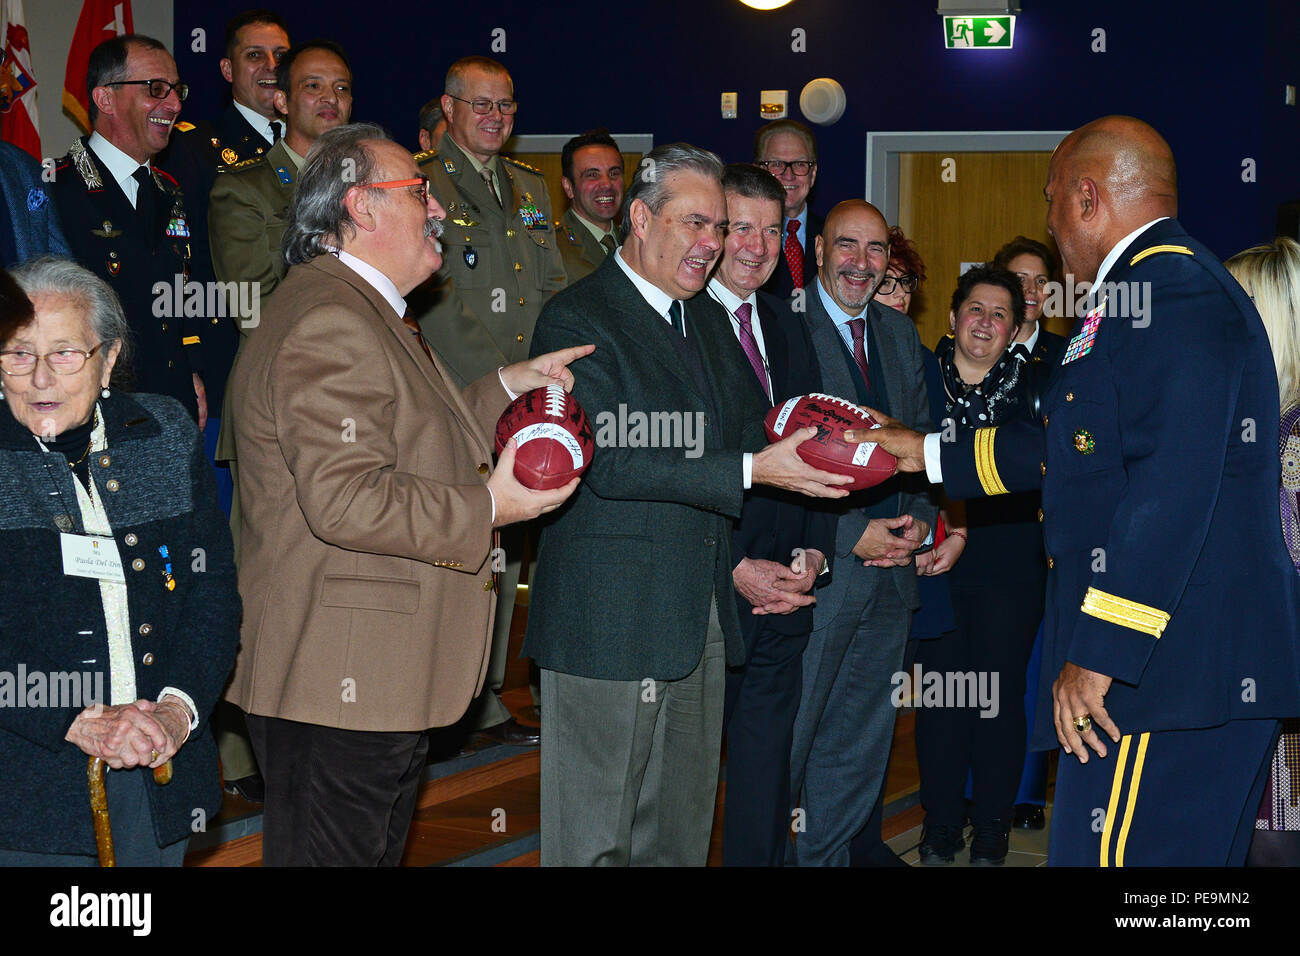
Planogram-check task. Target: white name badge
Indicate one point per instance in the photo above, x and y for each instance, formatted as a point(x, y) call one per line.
point(92, 556)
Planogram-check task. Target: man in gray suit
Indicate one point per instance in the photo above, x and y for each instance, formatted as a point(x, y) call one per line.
point(869, 354)
point(633, 618)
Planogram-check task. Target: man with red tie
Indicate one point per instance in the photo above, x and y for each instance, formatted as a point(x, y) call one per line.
point(842, 735)
point(779, 545)
point(788, 150)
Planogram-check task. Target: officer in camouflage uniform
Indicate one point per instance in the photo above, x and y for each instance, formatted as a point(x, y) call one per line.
point(500, 265)
point(592, 170)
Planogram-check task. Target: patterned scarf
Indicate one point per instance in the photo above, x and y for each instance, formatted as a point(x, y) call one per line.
point(1289, 448)
point(992, 401)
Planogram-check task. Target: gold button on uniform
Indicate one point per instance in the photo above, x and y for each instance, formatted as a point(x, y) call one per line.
point(131, 540)
point(521, 300)
point(510, 233)
point(487, 585)
point(112, 484)
point(1043, 466)
point(164, 326)
point(483, 468)
point(1069, 396)
point(1040, 514)
point(146, 630)
point(519, 267)
point(519, 338)
point(1044, 421)
point(1051, 563)
point(104, 461)
point(137, 564)
point(147, 660)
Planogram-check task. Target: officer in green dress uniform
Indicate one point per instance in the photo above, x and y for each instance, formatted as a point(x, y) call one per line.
point(500, 266)
point(592, 170)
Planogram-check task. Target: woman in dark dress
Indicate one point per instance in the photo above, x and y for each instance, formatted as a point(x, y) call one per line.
point(997, 592)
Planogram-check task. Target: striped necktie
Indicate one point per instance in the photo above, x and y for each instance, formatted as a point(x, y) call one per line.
point(745, 316)
point(858, 327)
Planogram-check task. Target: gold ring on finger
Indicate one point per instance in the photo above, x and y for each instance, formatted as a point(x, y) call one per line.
point(1083, 724)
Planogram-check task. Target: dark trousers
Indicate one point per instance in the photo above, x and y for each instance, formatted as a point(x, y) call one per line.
point(995, 633)
point(761, 703)
point(845, 726)
point(1170, 798)
point(336, 797)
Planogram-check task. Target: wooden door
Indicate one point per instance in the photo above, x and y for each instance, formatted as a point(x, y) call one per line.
point(961, 207)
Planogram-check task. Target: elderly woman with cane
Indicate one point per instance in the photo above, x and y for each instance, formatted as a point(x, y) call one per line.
point(119, 613)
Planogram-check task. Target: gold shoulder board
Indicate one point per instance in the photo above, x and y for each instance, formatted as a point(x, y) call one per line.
point(1156, 250)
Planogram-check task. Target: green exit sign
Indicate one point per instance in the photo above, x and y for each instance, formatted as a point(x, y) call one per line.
point(974, 33)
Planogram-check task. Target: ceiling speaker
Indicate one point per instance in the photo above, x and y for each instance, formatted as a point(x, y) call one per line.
point(822, 101)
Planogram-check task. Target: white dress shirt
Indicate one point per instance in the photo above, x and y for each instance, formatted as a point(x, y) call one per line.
point(661, 301)
point(842, 320)
point(731, 302)
point(118, 165)
point(933, 466)
point(259, 122)
point(1030, 342)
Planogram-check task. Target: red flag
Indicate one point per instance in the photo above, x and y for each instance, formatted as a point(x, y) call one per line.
point(100, 20)
point(18, 121)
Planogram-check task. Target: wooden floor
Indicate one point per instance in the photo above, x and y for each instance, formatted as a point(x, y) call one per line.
point(482, 808)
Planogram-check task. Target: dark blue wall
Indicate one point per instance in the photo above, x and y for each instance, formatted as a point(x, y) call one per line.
point(1208, 75)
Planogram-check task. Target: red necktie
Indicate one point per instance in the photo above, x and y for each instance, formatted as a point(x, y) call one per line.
point(858, 327)
point(794, 252)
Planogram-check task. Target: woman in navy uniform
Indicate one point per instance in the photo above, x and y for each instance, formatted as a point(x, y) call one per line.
point(1036, 266)
point(1171, 621)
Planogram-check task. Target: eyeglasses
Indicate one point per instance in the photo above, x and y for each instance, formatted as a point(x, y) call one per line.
point(908, 282)
point(422, 181)
point(777, 167)
point(62, 362)
point(483, 105)
point(158, 89)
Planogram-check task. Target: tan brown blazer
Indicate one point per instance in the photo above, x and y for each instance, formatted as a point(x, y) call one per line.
point(366, 524)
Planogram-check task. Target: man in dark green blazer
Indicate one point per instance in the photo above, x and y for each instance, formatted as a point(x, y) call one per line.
point(633, 618)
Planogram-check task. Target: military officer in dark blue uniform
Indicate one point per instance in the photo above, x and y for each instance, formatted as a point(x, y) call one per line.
point(1171, 625)
point(125, 219)
point(249, 126)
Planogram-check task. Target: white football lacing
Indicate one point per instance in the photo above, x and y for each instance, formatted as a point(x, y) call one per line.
point(555, 401)
point(844, 403)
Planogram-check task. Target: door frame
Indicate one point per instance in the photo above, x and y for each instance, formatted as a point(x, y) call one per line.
point(883, 150)
point(554, 142)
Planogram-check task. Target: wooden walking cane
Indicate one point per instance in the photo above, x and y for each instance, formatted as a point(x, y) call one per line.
point(99, 805)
